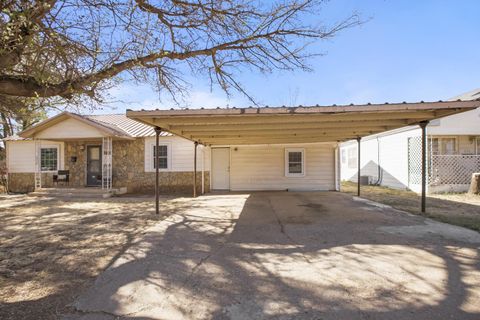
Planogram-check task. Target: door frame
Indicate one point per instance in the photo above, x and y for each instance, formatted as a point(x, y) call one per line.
point(86, 162)
point(229, 165)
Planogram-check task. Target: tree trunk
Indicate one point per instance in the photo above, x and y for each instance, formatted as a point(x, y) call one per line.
point(475, 184)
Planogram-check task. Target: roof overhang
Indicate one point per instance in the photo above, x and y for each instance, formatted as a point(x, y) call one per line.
point(105, 131)
point(295, 124)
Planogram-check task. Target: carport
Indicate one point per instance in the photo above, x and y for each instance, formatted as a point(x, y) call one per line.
point(285, 125)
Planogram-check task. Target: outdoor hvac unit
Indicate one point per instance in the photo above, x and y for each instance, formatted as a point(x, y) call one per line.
point(364, 180)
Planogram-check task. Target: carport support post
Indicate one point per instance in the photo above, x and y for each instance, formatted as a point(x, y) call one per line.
point(195, 170)
point(423, 126)
point(358, 166)
point(158, 130)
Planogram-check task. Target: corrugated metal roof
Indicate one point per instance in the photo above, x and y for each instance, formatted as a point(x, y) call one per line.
point(129, 126)
point(118, 123)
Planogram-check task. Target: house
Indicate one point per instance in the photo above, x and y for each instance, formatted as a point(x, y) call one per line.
point(236, 149)
point(392, 158)
point(99, 150)
point(287, 148)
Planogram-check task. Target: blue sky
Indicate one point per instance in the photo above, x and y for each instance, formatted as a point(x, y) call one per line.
point(407, 51)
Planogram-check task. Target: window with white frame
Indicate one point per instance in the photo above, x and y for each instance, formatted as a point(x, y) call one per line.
point(352, 157)
point(49, 159)
point(295, 162)
point(344, 156)
point(163, 163)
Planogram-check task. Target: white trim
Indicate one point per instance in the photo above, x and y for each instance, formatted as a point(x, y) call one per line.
point(229, 167)
point(148, 154)
point(50, 146)
point(293, 175)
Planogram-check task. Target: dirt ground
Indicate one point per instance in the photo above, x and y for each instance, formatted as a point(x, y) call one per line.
point(290, 256)
point(460, 209)
point(52, 249)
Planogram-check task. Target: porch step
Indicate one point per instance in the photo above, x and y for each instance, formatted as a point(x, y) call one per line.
point(92, 193)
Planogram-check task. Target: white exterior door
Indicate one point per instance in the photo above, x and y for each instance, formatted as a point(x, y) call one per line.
point(220, 168)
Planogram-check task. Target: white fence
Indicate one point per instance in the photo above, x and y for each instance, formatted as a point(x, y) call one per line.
point(452, 172)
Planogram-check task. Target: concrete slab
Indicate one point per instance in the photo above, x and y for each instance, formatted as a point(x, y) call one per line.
point(290, 255)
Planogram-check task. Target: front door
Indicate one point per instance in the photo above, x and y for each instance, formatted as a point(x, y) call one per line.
point(94, 165)
point(221, 168)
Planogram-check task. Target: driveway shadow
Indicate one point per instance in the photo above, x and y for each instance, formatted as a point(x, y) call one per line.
point(279, 255)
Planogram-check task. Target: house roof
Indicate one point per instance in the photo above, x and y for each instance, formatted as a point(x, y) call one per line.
point(300, 124)
point(115, 125)
point(470, 95)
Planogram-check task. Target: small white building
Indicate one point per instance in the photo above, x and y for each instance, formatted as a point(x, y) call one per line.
point(393, 158)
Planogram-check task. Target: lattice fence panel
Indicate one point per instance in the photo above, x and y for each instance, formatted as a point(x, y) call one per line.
point(414, 161)
point(453, 169)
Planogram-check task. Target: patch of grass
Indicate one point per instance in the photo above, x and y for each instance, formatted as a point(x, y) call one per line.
point(459, 209)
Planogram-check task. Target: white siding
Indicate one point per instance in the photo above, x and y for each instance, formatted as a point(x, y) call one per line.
point(69, 129)
point(462, 123)
point(180, 154)
point(390, 152)
point(263, 168)
point(21, 155)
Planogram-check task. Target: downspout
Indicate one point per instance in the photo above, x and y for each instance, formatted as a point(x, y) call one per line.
point(379, 167)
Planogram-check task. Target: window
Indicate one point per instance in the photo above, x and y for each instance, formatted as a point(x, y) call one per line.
point(444, 146)
point(449, 146)
point(48, 159)
point(344, 156)
point(352, 157)
point(162, 157)
point(295, 162)
point(435, 146)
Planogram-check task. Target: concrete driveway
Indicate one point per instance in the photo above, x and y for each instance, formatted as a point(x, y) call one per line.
point(289, 255)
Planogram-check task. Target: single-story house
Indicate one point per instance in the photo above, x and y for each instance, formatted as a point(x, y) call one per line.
point(392, 158)
point(281, 148)
point(112, 150)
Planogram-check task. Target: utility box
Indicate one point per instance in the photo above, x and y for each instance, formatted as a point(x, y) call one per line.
point(364, 180)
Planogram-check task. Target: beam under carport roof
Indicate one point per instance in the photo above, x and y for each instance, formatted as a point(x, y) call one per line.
point(239, 126)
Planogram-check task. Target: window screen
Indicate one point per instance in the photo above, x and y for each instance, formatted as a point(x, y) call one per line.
point(162, 157)
point(295, 162)
point(48, 159)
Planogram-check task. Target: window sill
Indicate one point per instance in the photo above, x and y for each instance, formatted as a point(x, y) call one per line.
point(293, 175)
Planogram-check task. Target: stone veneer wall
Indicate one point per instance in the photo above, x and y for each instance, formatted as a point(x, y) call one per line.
point(21, 182)
point(128, 171)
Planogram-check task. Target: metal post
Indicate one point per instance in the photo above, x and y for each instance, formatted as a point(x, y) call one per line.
point(358, 166)
point(195, 170)
point(158, 130)
point(423, 126)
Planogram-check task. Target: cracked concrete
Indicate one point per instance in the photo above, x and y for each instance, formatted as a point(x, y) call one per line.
point(290, 255)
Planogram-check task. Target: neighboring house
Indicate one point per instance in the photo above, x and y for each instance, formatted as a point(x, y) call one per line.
point(393, 158)
point(101, 149)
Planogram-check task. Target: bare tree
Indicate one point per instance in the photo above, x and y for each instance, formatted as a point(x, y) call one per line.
point(75, 47)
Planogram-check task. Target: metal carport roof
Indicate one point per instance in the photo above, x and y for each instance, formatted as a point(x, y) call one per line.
point(267, 125)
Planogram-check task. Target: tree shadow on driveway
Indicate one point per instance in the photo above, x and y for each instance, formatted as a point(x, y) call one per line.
point(279, 255)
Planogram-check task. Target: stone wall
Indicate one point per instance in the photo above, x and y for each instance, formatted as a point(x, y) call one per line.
point(25, 182)
point(128, 170)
